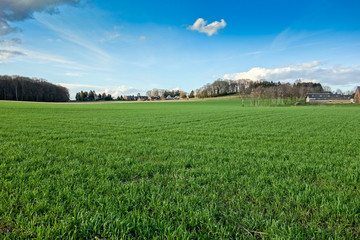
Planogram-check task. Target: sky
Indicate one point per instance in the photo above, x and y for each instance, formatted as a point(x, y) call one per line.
point(126, 47)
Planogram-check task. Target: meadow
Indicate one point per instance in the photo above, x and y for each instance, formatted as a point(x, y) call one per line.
point(179, 170)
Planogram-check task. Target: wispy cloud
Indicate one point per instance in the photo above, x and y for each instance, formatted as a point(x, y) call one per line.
point(54, 40)
point(201, 25)
point(312, 71)
point(5, 28)
point(142, 38)
point(10, 43)
point(6, 54)
point(290, 38)
point(74, 74)
point(110, 35)
point(32, 56)
point(70, 36)
point(20, 10)
point(48, 57)
point(56, 60)
point(254, 53)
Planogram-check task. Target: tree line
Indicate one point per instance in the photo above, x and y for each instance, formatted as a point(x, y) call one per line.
point(163, 93)
point(20, 88)
point(93, 96)
point(155, 94)
point(258, 89)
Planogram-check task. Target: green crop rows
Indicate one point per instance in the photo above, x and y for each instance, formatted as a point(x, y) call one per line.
point(184, 170)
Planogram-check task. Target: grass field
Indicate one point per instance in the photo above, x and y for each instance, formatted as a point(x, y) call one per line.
point(184, 170)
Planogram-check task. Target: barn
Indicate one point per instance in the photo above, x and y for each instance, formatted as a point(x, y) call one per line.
point(328, 98)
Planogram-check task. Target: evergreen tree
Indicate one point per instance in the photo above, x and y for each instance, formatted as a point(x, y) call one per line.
point(192, 94)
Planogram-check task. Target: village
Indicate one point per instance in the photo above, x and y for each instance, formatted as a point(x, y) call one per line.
point(152, 98)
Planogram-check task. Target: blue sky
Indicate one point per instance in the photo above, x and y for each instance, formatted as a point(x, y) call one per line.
point(125, 47)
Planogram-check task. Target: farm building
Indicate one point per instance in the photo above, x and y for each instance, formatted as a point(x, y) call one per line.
point(142, 98)
point(136, 98)
point(130, 98)
point(169, 98)
point(357, 95)
point(152, 98)
point(328, 98)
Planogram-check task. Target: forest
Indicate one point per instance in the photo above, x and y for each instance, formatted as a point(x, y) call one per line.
point(18, 88)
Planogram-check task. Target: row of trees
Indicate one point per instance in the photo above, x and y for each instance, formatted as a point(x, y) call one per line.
point(163, 93)
point(157, 93)
point(258, 89)
point(92, 96)
point(19, 88)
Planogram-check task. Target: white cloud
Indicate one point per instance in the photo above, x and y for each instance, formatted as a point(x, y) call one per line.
point(123, 90)
point(84, 86)
point(311, 71)
point(201, 25)
point(142, 38)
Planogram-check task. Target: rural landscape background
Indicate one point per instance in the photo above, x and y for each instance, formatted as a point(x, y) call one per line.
point(179, 120)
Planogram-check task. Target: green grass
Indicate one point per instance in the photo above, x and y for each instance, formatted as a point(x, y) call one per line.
point(179, 170)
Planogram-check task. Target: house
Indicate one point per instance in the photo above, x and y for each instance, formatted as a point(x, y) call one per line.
point(142, 98)
point(357, 95)
point(130, 98)
point(152, 98)
point(136, 98)
point(328, 98)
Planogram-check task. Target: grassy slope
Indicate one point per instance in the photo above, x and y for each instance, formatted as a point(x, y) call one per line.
point(209, 169)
